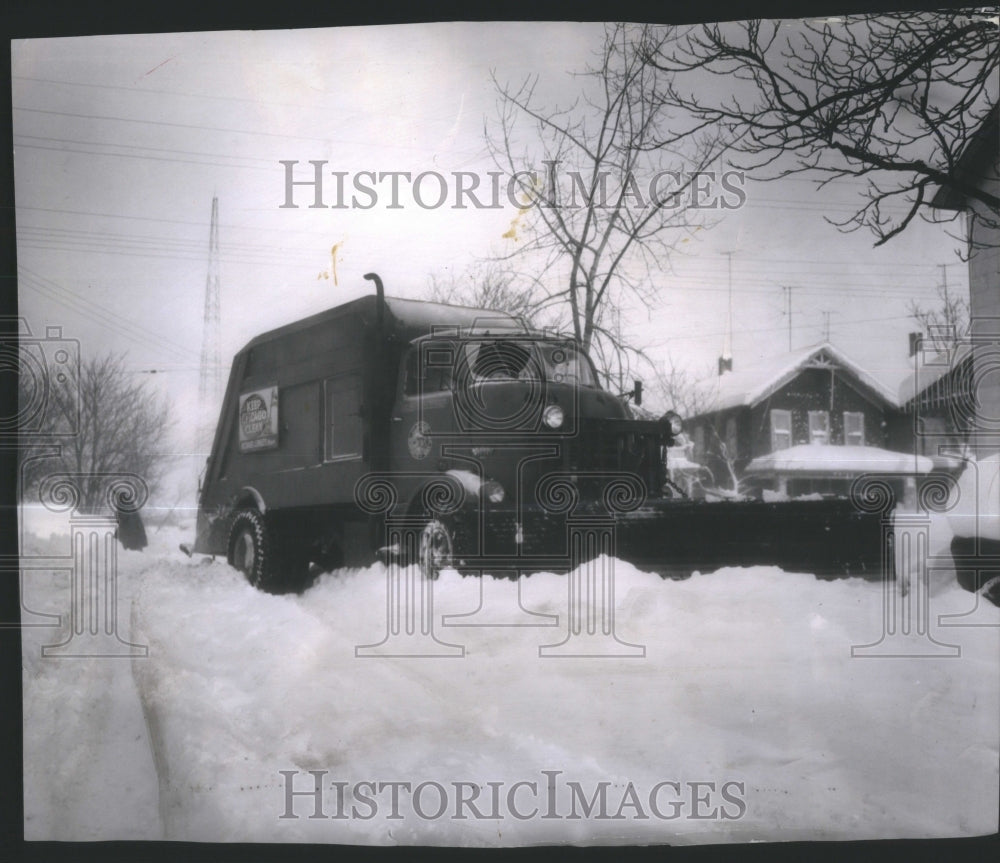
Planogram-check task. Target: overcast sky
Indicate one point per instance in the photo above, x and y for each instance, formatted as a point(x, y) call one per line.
point(121, 142)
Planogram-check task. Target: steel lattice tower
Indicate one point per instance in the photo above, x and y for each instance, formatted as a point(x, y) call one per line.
point(210, 369)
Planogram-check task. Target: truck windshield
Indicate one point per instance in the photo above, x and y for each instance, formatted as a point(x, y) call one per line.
point(432, 366)
point(505, 359)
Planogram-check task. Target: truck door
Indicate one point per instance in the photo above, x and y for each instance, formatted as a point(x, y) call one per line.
point(423, 407)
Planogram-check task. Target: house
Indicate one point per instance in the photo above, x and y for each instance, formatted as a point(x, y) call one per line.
point(813, 397)
point(938, 400)
point(979, 166)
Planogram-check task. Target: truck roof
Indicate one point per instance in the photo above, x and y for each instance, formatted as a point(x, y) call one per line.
point(407, 319)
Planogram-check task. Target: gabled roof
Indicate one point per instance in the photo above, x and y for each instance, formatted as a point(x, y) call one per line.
point(747, 387)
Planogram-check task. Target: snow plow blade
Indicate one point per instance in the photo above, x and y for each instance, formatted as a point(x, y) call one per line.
point(829, 538)
point(677, 537)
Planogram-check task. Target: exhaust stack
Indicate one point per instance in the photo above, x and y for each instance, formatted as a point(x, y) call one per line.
point(380, 296)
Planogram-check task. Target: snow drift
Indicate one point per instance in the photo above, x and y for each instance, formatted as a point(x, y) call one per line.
point(747, 678)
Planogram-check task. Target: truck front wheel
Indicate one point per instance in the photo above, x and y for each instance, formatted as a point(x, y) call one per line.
point(436, 550)
point(254, 549)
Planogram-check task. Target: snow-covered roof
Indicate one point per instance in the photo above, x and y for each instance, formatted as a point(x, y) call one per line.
point(746, 387)
point(831, 458)
point(930, 370)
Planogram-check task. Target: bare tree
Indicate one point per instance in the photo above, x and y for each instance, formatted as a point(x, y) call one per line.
point(111, 422)
point(602, 204)
point(679, 390)
point(732, 485)
point(893, 99)
point(945, 325)
point(489, 284)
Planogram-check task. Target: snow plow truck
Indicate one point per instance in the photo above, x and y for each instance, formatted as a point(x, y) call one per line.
point(446, 436)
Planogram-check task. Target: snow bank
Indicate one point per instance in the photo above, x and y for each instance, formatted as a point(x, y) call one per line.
point(88, 764)
point(747, 678)
point(974, 505)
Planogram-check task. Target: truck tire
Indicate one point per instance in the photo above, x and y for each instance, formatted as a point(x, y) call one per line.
point(436, 548)
point(255, 549)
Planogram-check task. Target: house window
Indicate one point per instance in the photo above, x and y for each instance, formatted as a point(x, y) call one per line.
point(854, 428)
point(732, 442)
point(819, 427)
point(343, 417)
point(781, 430)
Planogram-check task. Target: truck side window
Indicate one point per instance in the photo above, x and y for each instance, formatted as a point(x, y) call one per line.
point(342, 432)
point(428, 369)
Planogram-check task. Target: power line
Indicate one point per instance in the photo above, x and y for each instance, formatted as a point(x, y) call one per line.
point(167, 123)
point(100, 314)
point(55, 140)
point(481, 151)
point(71, 235)
point(699, 261)
point(150, 90)
point(145, 91)
point(77, 250)
point(158, 219)
point(139, 156)
point(705, 266)
point(755, 330)
point(788, 290)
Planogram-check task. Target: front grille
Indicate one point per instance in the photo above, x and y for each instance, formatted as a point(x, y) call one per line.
point(621, 446)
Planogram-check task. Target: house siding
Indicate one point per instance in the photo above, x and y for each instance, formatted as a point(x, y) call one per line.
point(984, 306)
point(811, 391)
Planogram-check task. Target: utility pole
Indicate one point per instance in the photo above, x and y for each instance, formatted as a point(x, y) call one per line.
point(727, 352)
point(210, 367)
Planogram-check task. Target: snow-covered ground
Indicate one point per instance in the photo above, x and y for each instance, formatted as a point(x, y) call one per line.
point(747, 682)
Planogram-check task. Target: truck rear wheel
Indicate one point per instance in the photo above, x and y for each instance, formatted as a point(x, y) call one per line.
point(255, 549)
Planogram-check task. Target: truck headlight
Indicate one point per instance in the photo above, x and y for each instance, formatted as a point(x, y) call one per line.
point(675, 422)
point(553, 416)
